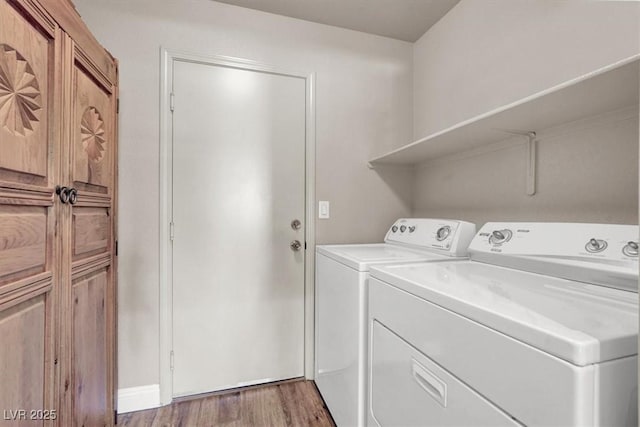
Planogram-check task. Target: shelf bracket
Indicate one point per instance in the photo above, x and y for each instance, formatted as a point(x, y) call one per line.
point(531, 163)
point(531, 157)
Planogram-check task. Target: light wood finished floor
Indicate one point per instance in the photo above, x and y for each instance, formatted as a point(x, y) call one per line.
point(295, 403)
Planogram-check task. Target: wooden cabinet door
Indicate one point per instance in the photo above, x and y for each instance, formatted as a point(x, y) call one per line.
point(89, 294)
point(29, 247)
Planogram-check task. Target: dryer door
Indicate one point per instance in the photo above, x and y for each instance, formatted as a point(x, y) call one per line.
point(409, 389)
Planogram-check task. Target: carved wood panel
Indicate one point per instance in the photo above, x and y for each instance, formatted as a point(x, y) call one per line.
point(93, 133)
point(26, 67)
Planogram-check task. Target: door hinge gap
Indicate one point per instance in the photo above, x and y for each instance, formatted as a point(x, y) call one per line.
point(172, 231)
point(116, 248)
point(172, 102)
point(171, 360)
point(118, 106)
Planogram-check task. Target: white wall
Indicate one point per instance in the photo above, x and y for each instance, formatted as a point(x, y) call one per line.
point(587, 172)
point(484, 54)
point(363, 105)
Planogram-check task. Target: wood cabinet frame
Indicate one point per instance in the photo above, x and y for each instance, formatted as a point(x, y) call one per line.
point(58, 265)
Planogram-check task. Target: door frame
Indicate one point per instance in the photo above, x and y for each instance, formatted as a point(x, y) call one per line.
point(167, 57)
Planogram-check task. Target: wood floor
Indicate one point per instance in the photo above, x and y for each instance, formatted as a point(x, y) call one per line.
point(296, 403)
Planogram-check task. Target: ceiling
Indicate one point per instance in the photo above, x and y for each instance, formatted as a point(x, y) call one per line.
point(399, 19)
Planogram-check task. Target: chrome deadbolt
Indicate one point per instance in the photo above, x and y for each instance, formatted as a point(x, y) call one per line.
point(296, 224)
point(296, 245)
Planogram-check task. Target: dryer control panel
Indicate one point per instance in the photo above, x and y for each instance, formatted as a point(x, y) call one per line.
point(604, 254)
point(449, 237)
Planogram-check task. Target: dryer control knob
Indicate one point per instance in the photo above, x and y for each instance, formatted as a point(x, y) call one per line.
point(394, 228)
point(596, 245)
point(412, 228)
point(443, 233)
point(403, 228)
point(630, 249)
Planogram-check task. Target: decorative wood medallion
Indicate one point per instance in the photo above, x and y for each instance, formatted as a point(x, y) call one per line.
point(92, 131)
point(20, 99)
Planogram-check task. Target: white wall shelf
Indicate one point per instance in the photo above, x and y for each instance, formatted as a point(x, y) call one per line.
point(606, 89)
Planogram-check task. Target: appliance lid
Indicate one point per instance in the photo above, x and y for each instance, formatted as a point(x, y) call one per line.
point(578, 322)
point(360, 257)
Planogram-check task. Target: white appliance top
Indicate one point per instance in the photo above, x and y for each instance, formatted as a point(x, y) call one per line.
point(579, 322)
point(361, 257)
point(408, 240)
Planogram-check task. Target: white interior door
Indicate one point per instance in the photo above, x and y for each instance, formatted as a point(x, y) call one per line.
point(238, 183)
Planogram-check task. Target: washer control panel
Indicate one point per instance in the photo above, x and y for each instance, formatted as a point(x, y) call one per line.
point(595, 253)
point(447, 236)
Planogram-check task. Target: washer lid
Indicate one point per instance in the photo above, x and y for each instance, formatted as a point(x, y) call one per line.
point(578, 322)
point(359, 257)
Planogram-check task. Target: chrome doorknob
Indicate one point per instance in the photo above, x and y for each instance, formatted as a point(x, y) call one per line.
point(296, 224)
point(296, 245)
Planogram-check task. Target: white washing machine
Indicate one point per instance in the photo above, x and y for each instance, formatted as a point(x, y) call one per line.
point(341, 303)
point(538, 328)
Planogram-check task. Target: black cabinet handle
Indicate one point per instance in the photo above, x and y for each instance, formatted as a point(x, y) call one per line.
point(63, 193)
point(73, 196)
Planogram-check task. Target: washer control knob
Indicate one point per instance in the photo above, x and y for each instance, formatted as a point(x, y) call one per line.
point(630, 249)
point(443, 233)
point(498, 237)
point(412, 228)
point(394, 228)
point(595, 245)
point(403, 228)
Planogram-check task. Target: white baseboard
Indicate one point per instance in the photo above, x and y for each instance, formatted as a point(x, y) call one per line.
point(138, 398)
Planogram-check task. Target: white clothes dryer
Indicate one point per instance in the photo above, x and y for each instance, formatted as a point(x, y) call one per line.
point(341, 303)
point(538, 328)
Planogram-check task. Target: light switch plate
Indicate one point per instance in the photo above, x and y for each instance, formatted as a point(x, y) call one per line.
point(323, 209)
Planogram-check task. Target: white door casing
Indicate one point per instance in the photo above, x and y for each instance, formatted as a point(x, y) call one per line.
point(242, 300)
